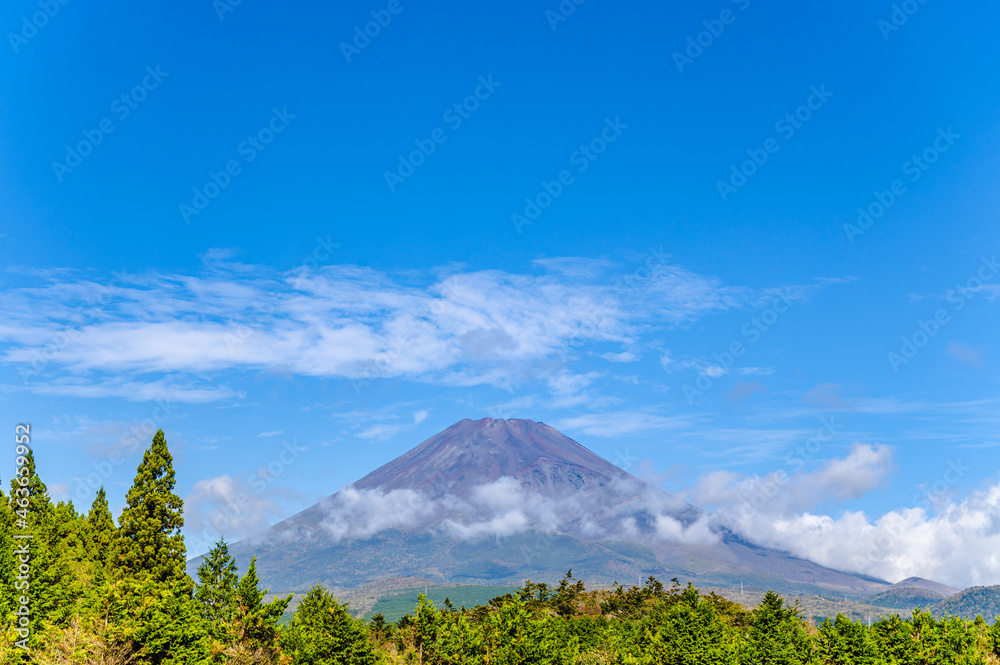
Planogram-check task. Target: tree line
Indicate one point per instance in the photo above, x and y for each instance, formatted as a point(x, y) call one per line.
point(103, 593)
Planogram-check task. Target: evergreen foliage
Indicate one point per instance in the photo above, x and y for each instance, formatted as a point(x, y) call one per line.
point(148, 543)
point(776, 635)
point(99, 533)
point(217, 580)
point(151, 594)
point(324, 633)
point(108, 595)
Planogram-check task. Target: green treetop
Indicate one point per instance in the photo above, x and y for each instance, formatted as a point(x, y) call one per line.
point(149, 544)
point(324, 633)
point(256, 621)
point(217, 579)
point(776, 635)
point(100, 532)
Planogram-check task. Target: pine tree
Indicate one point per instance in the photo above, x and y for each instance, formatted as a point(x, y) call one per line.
point(7, 590)
point(150, 598)
point(567, 595)
point(508, 634)
point(995, 636)
point(31, 488)
point(322, 632)
point(51, 584)
point(379, 628)
point(256, 621)
point(217, 580)
point(894, 638)
point(844, 642)
point(427, 624)
point(149, 544)
point(100, 531)
point(776, 635)
point(686, 629)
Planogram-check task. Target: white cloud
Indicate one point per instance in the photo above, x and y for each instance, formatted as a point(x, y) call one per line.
point(758, 371)
point(168, 331)
point(353, 513)
point(865, 468)
point(951, 541)
point(187, 392)
point(378, 432)
point(267, 435)
point(230, 507)
point(957, 545)
point(419, 416)
point(620, 423)
point(505, 508)
point(623, 357)
point(565, 384)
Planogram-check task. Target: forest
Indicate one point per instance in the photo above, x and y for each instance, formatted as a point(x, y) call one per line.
point(81, 589)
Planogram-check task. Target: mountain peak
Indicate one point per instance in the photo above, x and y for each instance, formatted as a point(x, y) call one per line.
point(470, 453)
point(929, 585)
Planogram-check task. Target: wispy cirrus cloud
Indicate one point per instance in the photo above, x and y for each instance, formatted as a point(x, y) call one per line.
point(168, 332)
point(378, 432)
point(622, 423)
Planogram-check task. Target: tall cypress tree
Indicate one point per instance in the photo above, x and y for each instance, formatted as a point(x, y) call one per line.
point(39, 505)
point(51, 585)
point(69, 547)
point(100, 532)
point(149, 544)
point(216, 592)
point(151, 592)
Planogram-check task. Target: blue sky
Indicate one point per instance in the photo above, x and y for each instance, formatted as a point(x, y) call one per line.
point(286, 236)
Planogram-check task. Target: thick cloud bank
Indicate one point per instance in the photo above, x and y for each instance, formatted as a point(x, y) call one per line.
point(954, 541)
point(505, 508)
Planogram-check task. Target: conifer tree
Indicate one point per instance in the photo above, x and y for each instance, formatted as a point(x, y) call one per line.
point(100, 531)
point(6, 560)
point(149, 544)
point(776, 635)
point(687, 630)
point(995, 636)
point(51, 585)
point(69, 546)
point(843, 642)
point(894, 638)
point(508, 634)
point(154, 611)
point(322, 632)
point(567, 595)
point(216, 592)
point(256, 621)
point(32, 488)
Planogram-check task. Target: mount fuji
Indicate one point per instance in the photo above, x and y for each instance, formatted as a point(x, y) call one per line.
point(495, 501)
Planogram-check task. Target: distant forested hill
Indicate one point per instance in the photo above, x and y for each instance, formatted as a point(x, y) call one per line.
point(906, 598)
point(982, 600)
